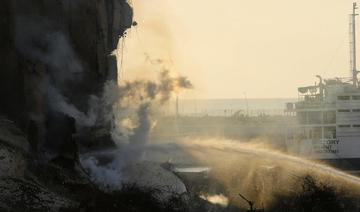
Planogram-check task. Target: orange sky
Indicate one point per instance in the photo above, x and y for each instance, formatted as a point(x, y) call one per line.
point(264, 48)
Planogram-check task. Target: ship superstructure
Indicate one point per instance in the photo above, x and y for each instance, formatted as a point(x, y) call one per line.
point(328, 115)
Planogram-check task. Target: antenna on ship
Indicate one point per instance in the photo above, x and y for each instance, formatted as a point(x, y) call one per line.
point(353, 46)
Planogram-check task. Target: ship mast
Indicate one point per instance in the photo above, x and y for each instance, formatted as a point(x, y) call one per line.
point(353, 46)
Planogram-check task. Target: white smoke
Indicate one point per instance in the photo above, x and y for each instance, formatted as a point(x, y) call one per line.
point(104, 175)
point(144, 174)
point(38, 40)
point(59, 103)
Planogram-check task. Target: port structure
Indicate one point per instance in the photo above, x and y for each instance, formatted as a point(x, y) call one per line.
point(352, 32)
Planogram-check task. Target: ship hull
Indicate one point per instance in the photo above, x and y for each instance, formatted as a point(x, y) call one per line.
point(343, 147)
point(348, 164)
point(342, 152)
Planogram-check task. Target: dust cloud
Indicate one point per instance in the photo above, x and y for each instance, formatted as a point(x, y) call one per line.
point(261, 173)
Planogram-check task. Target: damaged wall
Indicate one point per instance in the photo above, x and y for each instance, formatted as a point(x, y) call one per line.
point(55, 55)
point(65, 44)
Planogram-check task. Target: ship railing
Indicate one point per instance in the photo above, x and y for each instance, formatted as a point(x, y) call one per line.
point(313, 104)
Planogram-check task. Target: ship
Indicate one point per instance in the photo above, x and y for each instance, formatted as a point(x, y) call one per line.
point(328, 117)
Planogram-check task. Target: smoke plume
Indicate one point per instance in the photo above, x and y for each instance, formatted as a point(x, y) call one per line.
point(128, 108)
point(38, 40)
point(131, 108)
point(130, 105)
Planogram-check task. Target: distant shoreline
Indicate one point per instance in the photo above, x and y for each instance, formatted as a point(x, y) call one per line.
point(229, 107)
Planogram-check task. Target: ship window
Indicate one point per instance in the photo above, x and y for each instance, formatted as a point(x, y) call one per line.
point(343, 97)
point(343, 110)
point(356, 97)
point(301, 116)
point(345, 125)
point(329, 132)
point(303, 134)
point(329, 117)
point(314, 117)
point(315, 133)
point(356, 110)
point(356, 125)
point(289, 136)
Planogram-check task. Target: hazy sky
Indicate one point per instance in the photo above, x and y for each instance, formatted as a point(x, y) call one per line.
point(264, 48)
